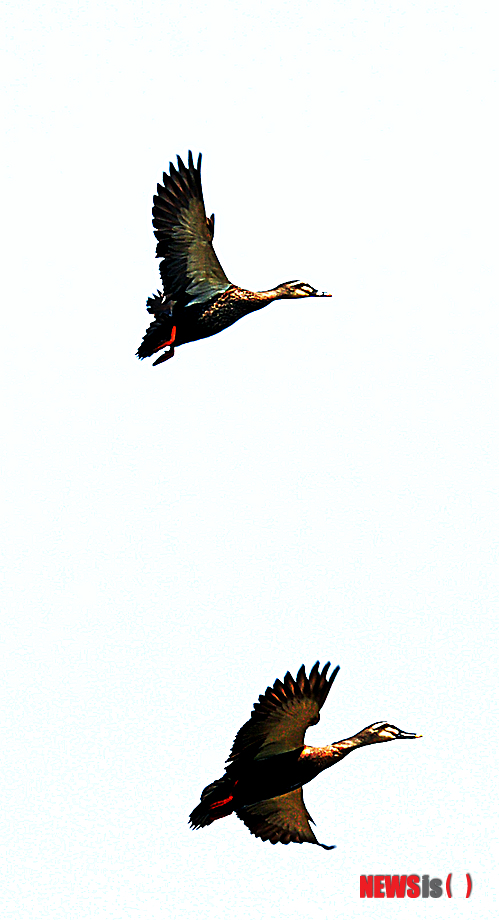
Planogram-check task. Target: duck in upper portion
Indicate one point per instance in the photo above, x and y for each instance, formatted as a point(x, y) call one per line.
point(269, 762)
point(198, 300)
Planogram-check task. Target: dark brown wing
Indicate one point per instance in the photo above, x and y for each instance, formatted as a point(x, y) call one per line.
point(282, 715)
point(281, 820)
point(190, 270)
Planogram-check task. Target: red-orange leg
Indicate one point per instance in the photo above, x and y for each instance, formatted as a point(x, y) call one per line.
point(171, 351)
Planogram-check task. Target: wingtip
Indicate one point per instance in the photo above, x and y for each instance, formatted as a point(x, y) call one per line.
point(314, 673)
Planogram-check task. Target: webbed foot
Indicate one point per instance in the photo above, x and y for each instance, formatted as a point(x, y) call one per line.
point(165, 356)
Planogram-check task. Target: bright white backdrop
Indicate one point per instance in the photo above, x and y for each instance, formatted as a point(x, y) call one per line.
point(319, 481)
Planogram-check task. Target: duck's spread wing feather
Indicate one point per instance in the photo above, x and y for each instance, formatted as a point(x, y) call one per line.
point(190, 270)
point(283, 819)
point(282, 715)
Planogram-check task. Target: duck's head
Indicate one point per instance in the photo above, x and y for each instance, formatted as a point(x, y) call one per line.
point(383, 731)
point(292, 289)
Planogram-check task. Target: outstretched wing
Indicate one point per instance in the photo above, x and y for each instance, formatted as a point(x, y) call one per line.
point(282, 715)
point(283, 819)
point(190, 270)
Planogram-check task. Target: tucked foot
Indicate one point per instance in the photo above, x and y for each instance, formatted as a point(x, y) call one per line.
point(170, 351)
point(165, 356)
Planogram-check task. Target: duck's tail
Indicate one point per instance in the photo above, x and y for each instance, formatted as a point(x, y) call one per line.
point(162, 330)
point(217, 801)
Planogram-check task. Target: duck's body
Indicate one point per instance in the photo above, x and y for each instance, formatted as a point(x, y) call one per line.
point(269, 763)
point(198, 300)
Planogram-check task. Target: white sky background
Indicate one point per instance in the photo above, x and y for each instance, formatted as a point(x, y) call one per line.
point(319, 481)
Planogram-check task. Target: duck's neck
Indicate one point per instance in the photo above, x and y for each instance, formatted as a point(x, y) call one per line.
point(264, 297)
point(277, 293)
point(324, 757)
point(249, 301)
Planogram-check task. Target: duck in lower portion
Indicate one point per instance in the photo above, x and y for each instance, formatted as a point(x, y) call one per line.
point(198, 299)
point(269, 762)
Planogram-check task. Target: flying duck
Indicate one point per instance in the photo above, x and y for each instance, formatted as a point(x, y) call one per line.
point(197, 300)
point(269, 762)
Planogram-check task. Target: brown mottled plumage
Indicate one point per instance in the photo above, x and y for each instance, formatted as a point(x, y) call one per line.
point(269, 762)
point(198, 300)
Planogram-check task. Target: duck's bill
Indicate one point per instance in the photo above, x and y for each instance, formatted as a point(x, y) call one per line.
point(322, 294)
point(403, 734)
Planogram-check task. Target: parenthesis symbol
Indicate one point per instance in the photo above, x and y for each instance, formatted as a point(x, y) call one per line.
point(447, 886)
point(468, 877)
